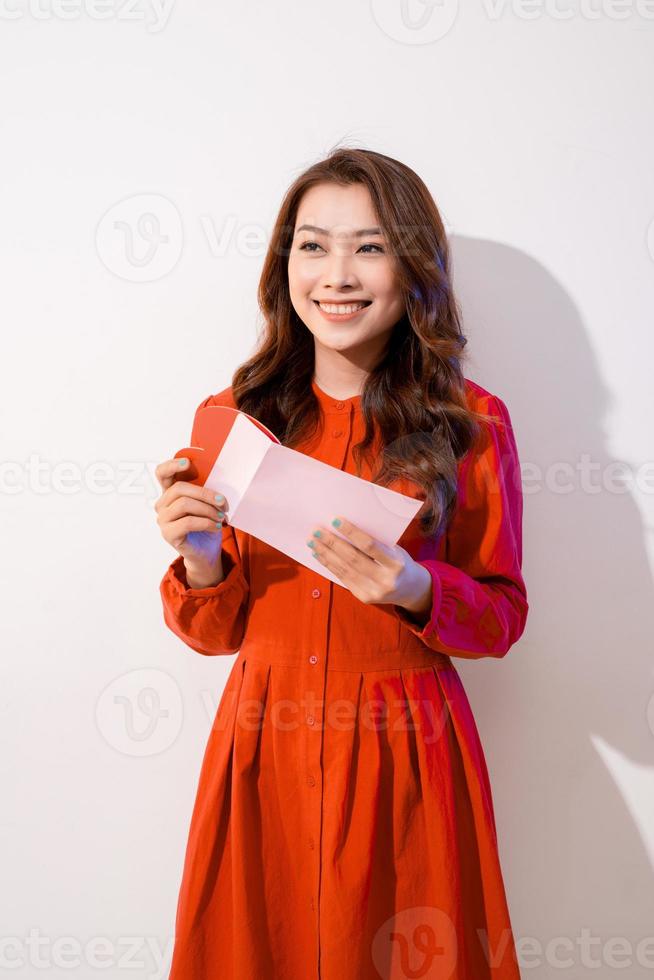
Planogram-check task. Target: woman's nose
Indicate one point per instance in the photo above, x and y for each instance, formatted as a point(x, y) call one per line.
point(339, 272)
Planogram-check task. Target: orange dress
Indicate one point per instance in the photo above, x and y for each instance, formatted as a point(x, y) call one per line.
point(343, 827)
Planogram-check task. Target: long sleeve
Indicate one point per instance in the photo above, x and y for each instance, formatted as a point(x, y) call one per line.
point(212, 620)
point(479, 598)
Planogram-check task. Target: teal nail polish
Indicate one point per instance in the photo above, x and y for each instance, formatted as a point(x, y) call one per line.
point(336, 522)
point(311, 544)
point(317, 534)
point(221, 514)
point(219, 498)
point(182, 463)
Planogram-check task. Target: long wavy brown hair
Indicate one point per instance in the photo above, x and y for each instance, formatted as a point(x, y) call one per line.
point(416, 394)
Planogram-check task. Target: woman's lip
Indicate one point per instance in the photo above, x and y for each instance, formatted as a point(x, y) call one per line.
point(342, 317)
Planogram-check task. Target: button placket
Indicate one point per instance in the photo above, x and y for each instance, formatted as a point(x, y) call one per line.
point(337, 436)
point(313, 706)
point(342, 428)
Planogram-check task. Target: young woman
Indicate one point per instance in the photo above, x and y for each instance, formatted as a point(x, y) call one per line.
point(343, 827)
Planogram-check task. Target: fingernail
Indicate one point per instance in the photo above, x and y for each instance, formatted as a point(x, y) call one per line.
point(219, 498)
point(221, 514)
point(182, 463)
point(311, 544)
point(336, 522)
point(317, 534)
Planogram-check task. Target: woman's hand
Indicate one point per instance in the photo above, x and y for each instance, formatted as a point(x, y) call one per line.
point(191, 520)
point(373, 572)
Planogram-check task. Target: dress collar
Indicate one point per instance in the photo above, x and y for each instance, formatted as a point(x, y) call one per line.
point(336, 406)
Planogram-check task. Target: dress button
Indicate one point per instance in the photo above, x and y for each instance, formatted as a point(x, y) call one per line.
point(311, 781)
point(311, 843)
point(337, 432)
point(339, 404)
point(313, 659)
point(310, 719)
point(316, 593)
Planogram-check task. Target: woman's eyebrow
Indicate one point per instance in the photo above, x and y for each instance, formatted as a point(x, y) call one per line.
point(323, 231)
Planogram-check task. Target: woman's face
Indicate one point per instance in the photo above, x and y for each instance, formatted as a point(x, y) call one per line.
point(341, 259)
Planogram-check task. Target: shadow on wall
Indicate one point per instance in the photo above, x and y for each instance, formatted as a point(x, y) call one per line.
point(571, 697)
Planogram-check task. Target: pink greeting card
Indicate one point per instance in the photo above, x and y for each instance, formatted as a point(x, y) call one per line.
point(280, 495)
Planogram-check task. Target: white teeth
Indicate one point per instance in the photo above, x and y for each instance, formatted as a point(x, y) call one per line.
point(343, 308)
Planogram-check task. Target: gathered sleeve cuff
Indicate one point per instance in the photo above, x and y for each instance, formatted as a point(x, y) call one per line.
point(212, 620)
point(479, 599)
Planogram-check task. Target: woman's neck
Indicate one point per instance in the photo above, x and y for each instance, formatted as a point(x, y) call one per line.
point(340, 382)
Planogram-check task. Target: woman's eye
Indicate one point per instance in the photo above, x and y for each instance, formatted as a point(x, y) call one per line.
point(307, 247)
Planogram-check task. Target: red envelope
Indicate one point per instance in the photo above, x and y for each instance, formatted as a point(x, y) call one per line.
point(212, 426)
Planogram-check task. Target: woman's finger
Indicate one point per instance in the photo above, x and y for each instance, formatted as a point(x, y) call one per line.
point(166, 472)
point(174, 488)
point(187, 504)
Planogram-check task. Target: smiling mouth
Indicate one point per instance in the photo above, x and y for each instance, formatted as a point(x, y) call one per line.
point(343, 309)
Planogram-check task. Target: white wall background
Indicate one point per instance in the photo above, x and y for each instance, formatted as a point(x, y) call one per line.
point(531, 124)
